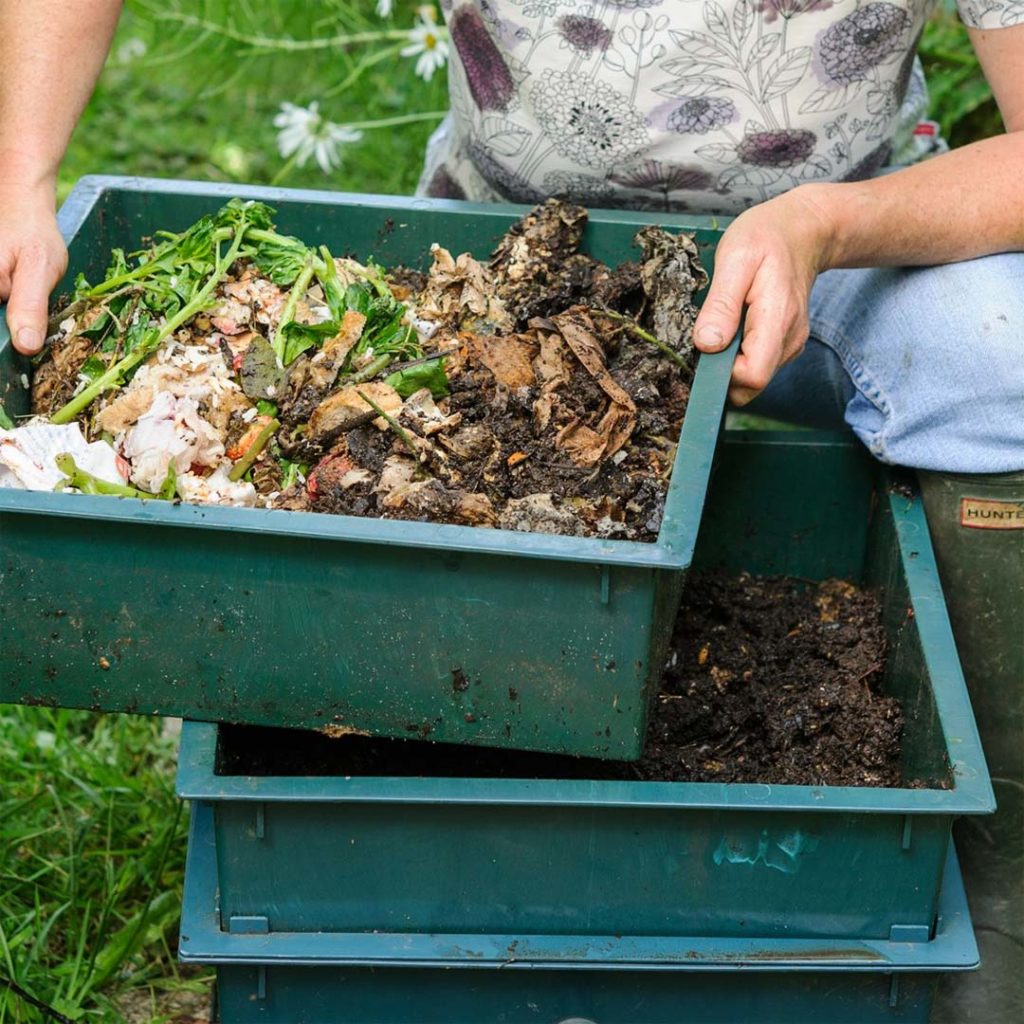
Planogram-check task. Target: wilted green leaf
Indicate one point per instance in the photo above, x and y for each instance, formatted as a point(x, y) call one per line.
point(423, 375)
point(292, 338)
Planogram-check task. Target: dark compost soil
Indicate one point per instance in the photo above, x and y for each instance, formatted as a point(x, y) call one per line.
point(770, 680)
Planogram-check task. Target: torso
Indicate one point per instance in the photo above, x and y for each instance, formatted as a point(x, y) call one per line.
point(673, 104)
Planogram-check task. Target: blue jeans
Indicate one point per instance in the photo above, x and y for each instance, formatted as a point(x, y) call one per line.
point(925, 365)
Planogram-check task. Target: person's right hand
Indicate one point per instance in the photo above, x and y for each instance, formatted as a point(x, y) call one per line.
point(32, 259)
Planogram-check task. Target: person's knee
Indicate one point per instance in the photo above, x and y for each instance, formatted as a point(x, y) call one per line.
point(937, 358)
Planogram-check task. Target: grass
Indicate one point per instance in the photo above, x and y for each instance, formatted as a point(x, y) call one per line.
point(92, 838)
point(92, 843)
point(181, 102)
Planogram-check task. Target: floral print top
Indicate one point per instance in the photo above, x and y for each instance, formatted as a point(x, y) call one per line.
point(704, 105)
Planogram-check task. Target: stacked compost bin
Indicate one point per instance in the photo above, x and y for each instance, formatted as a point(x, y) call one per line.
point(322, 894)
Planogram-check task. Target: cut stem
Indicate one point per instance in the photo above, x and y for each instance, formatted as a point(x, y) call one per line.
point(291, 304)
point(371, 370)
point(393, 424)
point(87, 483)
point(636, 329)
point(241, 467)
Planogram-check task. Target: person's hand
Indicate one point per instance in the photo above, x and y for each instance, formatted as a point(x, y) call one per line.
point(32, 259)
point(766, 261)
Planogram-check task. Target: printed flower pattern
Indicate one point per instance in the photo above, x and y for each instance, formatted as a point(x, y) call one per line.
point(584, 33)
point(785, 148)
point(583, 188)
point(587, 121)
point(852, 47)
point(709, 105)
point(701, 114)
point(487, 72)
point(786, 9)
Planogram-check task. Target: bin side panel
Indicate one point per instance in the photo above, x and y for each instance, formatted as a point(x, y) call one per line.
point(923, 750)
point(576, 870)
point(787, 502)
point(305, 995)
point(218, 625)
point(400, 232)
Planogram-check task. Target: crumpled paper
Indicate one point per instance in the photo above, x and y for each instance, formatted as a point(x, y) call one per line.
point(27, 456)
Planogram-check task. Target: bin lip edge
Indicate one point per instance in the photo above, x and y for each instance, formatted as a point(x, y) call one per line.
point(952, 948)
point(89, 187)
point(196, 781)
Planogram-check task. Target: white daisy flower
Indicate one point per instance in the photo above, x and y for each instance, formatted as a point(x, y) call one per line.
point(304, 133)
point(428, 43)
point(131, 49)
point(384, 8)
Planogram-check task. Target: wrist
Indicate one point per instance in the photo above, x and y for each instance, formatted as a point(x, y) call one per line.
point(822, 207)
point(27, 175)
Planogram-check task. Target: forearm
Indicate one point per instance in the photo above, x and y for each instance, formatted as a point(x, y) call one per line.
point(963, 204)
point(51, 53)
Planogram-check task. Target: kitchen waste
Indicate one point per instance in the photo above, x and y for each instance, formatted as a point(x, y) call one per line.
point(231, 364)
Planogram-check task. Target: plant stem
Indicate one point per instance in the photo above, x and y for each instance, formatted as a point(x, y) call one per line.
point(387, 53)
point(277, 43)
point(636, 329)
point(371, 370)
point(285, 169)
point(391, 122)
point(87, 483)
point(262, 439)
point(292, 302)
point(114, 375)
point(393, 424)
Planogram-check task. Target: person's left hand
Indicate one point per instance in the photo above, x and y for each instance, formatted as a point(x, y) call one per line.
point(767, 261)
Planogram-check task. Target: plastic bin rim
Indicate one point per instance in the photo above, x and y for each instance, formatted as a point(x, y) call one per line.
point(684, 500)
point(953, 947)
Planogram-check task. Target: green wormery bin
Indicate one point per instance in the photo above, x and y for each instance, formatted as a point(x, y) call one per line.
point(542, 855)
point(459, 634)
point(381, 978)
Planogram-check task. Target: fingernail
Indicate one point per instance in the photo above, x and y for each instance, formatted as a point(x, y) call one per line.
point(710, 337)
point(30, 340)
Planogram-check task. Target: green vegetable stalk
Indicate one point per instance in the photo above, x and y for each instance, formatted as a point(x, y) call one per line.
point(292, 302)
point(89, 484)
point(115, 375)
point(242, 466)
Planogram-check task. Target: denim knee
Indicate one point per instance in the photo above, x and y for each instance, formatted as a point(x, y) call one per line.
point(935, 356)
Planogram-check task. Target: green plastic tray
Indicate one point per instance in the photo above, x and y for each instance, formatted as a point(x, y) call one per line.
point(293, 619)
point(381, 978)
point(549, 856)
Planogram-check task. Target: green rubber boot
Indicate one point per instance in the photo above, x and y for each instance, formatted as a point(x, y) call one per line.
point(977, 528)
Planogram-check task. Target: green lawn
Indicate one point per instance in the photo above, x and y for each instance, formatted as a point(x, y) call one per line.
point(181, 101)
point(92, 840)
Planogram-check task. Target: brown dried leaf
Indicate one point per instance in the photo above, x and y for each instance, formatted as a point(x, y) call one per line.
point(508, 356)
point(585, 445)
point(549, 365)
point(671, 273)
point(457, 287)
point(577, 329)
